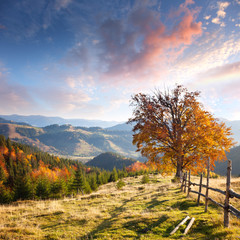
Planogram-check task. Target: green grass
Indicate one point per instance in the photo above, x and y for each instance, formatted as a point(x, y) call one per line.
point(137, 211)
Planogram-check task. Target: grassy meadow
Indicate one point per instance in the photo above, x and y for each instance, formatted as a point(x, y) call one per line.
point(137, 211)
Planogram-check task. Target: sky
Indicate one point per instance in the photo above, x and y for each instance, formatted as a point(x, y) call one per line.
point(86, 58)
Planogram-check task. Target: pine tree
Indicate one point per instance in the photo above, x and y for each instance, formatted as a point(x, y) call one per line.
point(43, 188)
point(79, 182)
point(2, 175)
point(93, 181)
point(2, 140)
point(23, 188)
point(114, 175)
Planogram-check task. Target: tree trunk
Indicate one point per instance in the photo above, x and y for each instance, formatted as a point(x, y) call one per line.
point(179, 168)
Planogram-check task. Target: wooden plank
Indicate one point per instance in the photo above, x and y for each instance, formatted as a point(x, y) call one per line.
point(235, 214)
point(192, 191)
point(219, 204)
point(189, 182)
point(185, 186)
point(235, 211)
point(183, 180)
point(181, 223)
point(214, 189)
point(208, 171)
point(200, 190)
point(234, 194)
point(217, 190)
point(189, 226)
point(228, 184)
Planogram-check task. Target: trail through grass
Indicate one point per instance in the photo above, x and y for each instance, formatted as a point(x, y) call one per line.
point(137, 211)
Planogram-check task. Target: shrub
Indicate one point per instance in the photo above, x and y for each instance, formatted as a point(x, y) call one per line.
point(120, 184)
point(145, 179)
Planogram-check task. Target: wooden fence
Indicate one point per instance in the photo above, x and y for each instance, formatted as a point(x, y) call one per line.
point(229, 193)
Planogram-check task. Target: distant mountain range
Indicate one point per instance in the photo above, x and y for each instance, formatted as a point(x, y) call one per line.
point(69, 141)
point(43, 121)
point(85, 143)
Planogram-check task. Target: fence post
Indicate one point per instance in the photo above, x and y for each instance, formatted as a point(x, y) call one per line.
point(226, 205)
point(189, 182)
point(200, 189)
point(206, 199)
point(185, 186)
point(183, 179)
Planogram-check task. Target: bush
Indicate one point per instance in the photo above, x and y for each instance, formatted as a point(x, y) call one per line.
point(145, 179)
point(120, 184)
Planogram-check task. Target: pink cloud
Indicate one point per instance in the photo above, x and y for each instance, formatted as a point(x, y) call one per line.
point(225, 73)
point(143, 44)
point(13, 98)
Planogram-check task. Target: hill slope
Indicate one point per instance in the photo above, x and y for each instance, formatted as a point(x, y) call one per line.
point(70, 141)
point(136, 211)
point(110, 160)
point(234, 155)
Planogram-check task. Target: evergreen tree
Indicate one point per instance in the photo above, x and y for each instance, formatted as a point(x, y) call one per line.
point(58, 188)
point(99, 179)
point(2, 140)
point(93, 181)
point(9, 144)
point(2, 175)
point(79, 182)
point(87, 187)
point(23, 188)
point(43, 188)
point(5, 194)
point(114, 175)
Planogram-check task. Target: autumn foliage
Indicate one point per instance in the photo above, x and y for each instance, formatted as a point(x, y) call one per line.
point(28, 173)
point(172, 129)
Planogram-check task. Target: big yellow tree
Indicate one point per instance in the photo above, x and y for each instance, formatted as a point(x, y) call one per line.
point(172, 129)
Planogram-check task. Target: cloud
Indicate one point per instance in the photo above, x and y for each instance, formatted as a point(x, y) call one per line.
point(139, 47)
point(221, 13)
point(207, 17)
point(13, 97)
point(210, 52)
point(222, 74)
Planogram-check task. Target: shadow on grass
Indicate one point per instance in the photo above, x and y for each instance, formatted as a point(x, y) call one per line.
point(139, 226)
point(154, 202)
point(184, 205)
point(144, 225)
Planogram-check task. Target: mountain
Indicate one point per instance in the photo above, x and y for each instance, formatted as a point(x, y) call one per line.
point(121, 127)
point(2, 120)
point(234, 155)
point(42, 121)
point(235, 125)
point(110, 160)
point(69, 141)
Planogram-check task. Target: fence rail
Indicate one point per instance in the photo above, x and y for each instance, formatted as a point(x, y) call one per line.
point(229, 193)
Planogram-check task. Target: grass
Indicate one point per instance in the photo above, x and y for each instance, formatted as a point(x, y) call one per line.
point(137, 211)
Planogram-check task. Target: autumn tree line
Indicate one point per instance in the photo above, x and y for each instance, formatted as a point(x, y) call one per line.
point(28, 173)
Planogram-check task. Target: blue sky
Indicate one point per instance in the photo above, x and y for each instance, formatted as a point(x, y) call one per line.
point(85, 59)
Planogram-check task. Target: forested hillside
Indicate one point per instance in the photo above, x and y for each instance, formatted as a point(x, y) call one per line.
point(69, 141)
point(28, 173)
point(110, 160)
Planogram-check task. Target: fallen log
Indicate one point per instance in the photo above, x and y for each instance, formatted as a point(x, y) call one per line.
point(181, 223)
point(189, 226)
